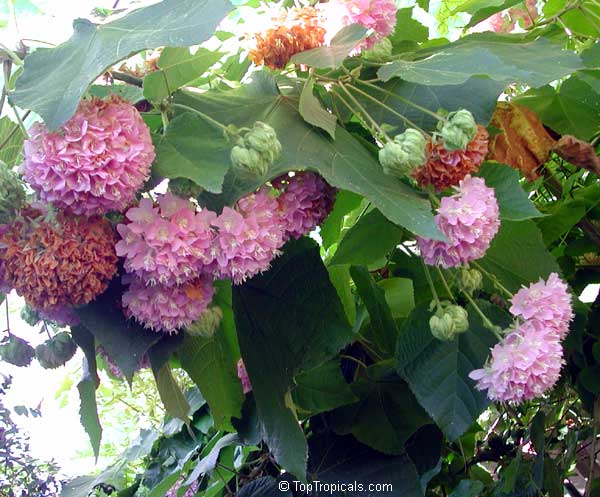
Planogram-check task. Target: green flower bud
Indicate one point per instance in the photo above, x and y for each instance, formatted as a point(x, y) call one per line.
point(12, 194)
point(449, 321)
point(16, 351)
point(381, 52)
point(458, 130)
point(207, 324)
point(469, 279)
point(184, 188)
point(263, 139)
point(30, 315)
point(56, 351)
point(249, 160)
point(400, 156)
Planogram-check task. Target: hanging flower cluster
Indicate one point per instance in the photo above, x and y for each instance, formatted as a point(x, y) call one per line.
point(470, 221)
point(527, 362)
point(174, 251)
point(95, 163)
point(66, 262)
point(295, 31)
point(243, 376)
point(305, 202)
point(445, 168)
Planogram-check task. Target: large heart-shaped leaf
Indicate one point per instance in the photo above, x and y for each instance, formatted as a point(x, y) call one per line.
point(437, 371)
point(501, 58)
point(54, 80)
point(288, 319)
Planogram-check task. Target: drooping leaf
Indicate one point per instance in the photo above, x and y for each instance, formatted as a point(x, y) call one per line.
point(572, 109)
point(399, 295)
point(170, 392)
point(369, 240)
point(345, 163)
point(561, 219)
point(85, 340)
point(313, 112)
point(522, 141)
point(189, 149)
point(535, 63)
point(387, 413)
point(128, 92)
point(512, 199)
point(177, 67)
point(88, 412)
point(322, 389)
point(333, 55)
point(518, 256)
point(208, 463)
point(335, 459)
point(482, 9)
point(345, 202)
point(437, 371)
point(340, 279)
point(54, 80)
point(81, 486)
point(383, 326)
point(408, 28)
point(478, 95)
point(12, 135)
point(124, 340)
point(211, 364)
point(296, 296)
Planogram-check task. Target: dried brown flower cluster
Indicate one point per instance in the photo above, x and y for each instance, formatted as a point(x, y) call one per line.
point(296, 31)
point(69, 261)
point(445, 168)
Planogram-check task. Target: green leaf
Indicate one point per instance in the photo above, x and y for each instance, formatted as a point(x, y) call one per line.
point(437, 371)
point(467, 488)
point(178, 67)
point(399, 295)
point(193, 149)
point(10, 133)
point(535, 63)
point(345, 163)
point(482, 9)
point(386, 415)
point(296, 296)
point(322, 388)
point(518, 256)
point(512, 199)
point(573, 109)
point(208, 463)
point(85, 340)
point(54, 80)
point(369, 240)
point(88, 412)
point(266, 486)
point(128, 92)
point(211, 364)
point(408, 28)
point(340, 279)
point(335, 459)
point(345, 202)
point(82, 486)
point(333, 55)
point(561, 219)
point(170, 393)
point(478, 95)
point(383, 326)
point(124, 340)
point(312, 111)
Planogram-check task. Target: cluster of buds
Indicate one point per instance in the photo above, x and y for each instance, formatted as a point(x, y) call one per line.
point(12, 194)
point(458, 130)
point(405, 152)
point(257, 150)
point(16, 351)
point(56, 351)
point(448, 321)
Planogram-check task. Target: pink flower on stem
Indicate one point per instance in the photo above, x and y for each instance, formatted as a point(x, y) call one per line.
point(95, 163)
point(470, 221)
point(548, 303)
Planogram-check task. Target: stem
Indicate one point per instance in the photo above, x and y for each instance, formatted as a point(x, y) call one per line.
point(405, 100)
point(20, 121)
point(495, 281)
point(363, 110)
point(206, 117)
point(165, 120)
point(354, 359)
point(389, 109)
point(431, 285)
point(126, 78)
point(446, 286)
point(486, 322)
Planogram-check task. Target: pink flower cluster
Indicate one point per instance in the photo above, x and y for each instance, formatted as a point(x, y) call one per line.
point(527, 362)
point(243, 376)
point(191, 491)
point(470, 221)
point(169, 244)
point(95, 163)
point(305, 202)
point(378, 15)
point(162, 308)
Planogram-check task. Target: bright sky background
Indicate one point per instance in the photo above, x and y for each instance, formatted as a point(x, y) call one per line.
point(58, 434)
